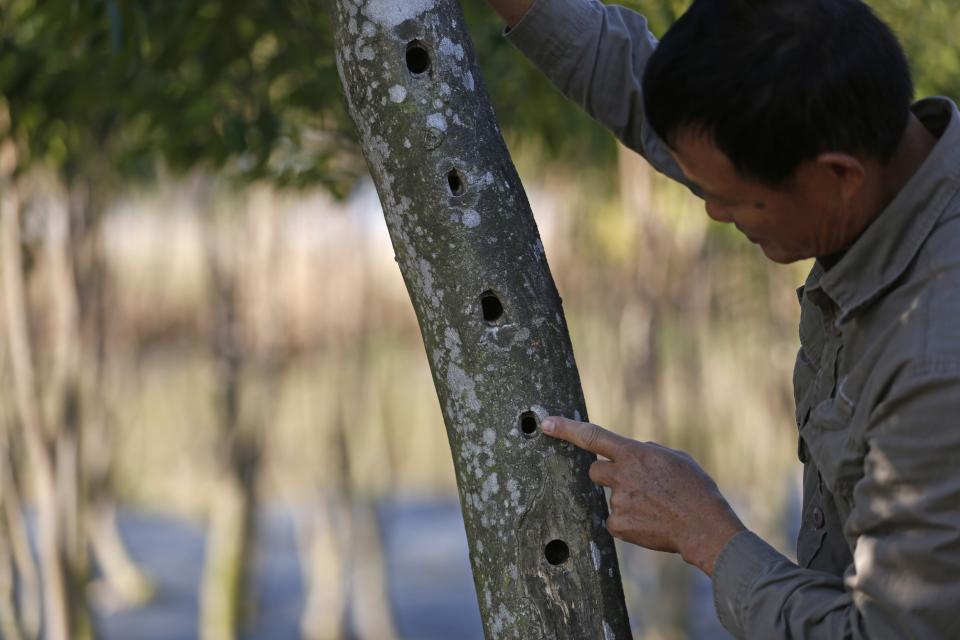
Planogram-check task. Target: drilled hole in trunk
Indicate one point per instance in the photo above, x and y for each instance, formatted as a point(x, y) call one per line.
point(456, 182)
point(556, 552)
point(491, 306)
point(418, 58)
point(529, 423)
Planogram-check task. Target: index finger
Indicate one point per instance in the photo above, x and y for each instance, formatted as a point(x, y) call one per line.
point(585, 435)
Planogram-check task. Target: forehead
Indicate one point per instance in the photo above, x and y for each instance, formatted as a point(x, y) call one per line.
point(701, 159)
point(711, 169)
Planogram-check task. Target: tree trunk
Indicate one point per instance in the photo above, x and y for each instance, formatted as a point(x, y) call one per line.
point(56, 606)
point(10, 625)
point(322, 537)
point(225, 601)
point(544, 565)
point(123, 583)
point(14, 525)
point(66, 393)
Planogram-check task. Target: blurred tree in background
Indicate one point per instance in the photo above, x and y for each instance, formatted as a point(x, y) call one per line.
point(101, 95)
point(102, 98)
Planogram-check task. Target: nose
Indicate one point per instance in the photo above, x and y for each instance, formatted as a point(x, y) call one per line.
point(718, 212)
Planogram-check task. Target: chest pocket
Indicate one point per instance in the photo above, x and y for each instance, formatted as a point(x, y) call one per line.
point(827, 431)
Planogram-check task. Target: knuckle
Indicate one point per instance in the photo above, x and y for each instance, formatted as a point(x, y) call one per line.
point(616, 501)
point(591, 436)
point(615, 526)
point(594, 471)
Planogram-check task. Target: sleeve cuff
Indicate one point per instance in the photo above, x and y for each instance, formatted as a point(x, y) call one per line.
point(543, 34)
point(741, 562)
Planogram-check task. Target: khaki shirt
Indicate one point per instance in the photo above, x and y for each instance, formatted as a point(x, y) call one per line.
point(877, 377)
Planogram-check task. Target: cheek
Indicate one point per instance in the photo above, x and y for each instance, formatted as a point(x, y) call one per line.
point(718, 212)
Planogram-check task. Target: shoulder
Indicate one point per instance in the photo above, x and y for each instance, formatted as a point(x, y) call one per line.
point(913, 329)
point(932, 288)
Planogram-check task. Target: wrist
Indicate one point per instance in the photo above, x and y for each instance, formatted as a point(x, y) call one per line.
point(705, 546)
point(511, 11)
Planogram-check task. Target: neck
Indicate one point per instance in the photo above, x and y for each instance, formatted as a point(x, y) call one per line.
point(885, 181)
point(915, 146)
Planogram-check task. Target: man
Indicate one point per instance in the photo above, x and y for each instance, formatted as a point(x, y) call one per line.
point(792, 119)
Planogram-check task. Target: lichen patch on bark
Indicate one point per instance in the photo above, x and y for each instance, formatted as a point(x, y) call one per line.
point(391, 13)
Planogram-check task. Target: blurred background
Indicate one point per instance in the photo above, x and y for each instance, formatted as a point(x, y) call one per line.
point(216, 417)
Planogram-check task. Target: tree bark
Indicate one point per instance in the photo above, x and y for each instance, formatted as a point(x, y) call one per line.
point(544, 565)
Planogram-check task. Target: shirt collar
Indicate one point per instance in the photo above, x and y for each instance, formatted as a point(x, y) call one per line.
point(888, 246)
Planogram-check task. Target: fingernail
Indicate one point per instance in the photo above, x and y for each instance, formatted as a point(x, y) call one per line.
point(547, 426)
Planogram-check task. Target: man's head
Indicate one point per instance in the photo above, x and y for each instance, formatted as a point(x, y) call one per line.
point(782, 111)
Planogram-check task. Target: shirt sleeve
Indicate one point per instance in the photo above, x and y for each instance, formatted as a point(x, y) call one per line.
point(595, 55)
point(905, 578)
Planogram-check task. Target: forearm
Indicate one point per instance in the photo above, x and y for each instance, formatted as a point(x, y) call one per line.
point(759, 593)
point(903, 581)
point(511, 11)
point(595, 54)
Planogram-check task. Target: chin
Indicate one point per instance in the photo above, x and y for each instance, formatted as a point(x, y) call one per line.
point(781, 256)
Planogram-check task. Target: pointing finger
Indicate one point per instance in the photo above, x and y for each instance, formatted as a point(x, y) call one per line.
point(586, 436)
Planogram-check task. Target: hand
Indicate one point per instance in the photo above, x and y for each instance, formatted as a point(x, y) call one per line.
point(661, 499)
point(511, 11)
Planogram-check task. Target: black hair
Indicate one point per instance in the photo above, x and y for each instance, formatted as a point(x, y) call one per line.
point(775, 83)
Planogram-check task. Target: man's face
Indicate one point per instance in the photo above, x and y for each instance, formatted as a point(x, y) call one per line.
point(803, 220)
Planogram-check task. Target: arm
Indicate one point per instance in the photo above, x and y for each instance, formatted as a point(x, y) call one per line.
point(905, 578)
point(595, 54)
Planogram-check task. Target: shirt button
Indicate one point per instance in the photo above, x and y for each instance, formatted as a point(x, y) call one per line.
point(817, 518)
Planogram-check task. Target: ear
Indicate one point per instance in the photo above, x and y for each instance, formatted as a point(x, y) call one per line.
point(848, 171)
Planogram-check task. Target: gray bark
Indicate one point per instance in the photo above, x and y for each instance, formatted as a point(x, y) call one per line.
point(544, 565)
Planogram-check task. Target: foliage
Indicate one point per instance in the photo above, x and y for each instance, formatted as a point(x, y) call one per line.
point(249, 88)
point(246, 88)
point(927, 30)
point(527, 105)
